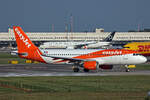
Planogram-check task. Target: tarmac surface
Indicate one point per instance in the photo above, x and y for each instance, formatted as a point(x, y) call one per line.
point(9, 70)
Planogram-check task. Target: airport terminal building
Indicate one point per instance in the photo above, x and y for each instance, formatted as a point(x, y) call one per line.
point(7, 38)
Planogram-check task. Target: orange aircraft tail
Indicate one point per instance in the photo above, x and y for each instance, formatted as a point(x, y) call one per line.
point(26, 49)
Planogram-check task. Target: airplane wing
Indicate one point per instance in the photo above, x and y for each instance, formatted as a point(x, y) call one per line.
point(82, 45)
point(68, 58)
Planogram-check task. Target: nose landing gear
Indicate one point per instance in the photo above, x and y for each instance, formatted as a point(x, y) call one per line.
point(127, 69)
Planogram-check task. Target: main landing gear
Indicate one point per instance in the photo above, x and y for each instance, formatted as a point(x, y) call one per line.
point(86, 70)
point(76, 69)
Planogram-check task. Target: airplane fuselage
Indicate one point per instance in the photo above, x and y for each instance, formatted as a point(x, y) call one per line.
point(102, 56)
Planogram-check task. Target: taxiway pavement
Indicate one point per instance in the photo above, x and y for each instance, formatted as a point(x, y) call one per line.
point(9, 70)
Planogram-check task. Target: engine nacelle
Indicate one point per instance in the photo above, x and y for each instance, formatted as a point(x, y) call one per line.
point(106, 66)
point(90, 65)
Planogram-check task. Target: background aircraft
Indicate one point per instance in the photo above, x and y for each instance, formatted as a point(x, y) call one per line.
point(88, 59)
point(142, 48)
point(79, 45)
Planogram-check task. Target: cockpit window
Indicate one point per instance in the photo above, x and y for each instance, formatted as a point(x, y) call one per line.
point(136, 54)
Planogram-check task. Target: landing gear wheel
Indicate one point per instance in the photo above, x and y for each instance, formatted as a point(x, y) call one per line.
point(76, 69)
point(86, 70)
point(127, 70)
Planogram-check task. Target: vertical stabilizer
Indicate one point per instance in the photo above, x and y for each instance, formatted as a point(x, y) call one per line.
point(110, 37)
point(26, 49)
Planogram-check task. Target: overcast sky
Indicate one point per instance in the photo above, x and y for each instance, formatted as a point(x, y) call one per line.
point(39, 15)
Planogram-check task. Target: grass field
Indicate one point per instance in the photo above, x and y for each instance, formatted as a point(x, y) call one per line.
point(143, 67)
point(75, 88)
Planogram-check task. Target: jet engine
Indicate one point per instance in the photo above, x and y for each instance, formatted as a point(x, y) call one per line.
point(106, 66)
point(90, 65)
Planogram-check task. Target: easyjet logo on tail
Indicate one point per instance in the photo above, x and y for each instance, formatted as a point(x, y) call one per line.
point(23, 38)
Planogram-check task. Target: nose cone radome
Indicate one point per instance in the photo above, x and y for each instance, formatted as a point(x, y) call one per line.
point(143, 59)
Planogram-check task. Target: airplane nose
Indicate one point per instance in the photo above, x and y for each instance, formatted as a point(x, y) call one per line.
point(143, 59)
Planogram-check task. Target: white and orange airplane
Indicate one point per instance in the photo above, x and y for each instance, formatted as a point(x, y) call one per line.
point(88, 59)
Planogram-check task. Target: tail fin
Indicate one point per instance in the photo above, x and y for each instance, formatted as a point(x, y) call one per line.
point(110, 37)
point(25, 46)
